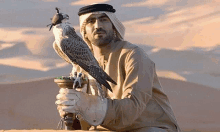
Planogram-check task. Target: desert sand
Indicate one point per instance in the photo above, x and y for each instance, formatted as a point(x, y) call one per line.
point(180, 36)
point(30, 105)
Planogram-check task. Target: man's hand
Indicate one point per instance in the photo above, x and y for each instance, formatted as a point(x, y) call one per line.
point(62, 95)
point(91, 108)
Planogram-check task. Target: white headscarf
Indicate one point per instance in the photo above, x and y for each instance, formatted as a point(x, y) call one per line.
point(117, 24)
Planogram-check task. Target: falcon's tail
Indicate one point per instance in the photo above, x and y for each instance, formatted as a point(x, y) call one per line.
point(110, 79)
point(104, 82)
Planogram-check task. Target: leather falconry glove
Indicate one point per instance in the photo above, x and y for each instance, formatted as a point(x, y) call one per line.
point(91, 108)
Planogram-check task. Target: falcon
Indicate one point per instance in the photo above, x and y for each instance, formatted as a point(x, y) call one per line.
point(70, 47)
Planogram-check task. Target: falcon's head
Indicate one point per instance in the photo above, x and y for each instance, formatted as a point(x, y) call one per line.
point(58, 18)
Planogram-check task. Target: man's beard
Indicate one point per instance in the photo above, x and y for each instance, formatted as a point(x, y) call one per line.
point(101, 41)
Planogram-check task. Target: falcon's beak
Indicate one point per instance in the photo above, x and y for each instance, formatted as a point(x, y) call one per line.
point(51, 25)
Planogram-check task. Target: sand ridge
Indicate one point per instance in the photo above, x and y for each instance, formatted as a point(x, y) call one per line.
point(31, 105)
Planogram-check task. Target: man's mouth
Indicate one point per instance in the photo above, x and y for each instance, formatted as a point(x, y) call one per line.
point(99, 33)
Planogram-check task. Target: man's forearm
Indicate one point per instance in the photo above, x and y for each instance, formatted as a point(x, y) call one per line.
point(122, 113)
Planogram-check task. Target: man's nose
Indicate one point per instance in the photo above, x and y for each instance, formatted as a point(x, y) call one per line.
point(98, 24)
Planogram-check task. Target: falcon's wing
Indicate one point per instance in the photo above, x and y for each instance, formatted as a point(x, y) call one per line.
point(60, 53)
point(78, 51)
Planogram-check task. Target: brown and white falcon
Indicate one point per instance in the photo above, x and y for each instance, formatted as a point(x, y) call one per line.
point(69, 46)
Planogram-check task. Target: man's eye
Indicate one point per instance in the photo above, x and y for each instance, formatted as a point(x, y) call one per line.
point(104, 19)
point(90, 21)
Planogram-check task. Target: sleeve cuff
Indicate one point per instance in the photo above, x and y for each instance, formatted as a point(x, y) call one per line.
point(110, 114)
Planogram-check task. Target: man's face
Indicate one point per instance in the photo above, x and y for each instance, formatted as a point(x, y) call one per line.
point(99, 29)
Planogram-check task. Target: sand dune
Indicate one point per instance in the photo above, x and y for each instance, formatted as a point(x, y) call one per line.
point(15, 74)
point(196, 64)
point(30, 105)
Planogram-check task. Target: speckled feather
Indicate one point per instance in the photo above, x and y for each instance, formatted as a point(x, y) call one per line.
point(73, 49)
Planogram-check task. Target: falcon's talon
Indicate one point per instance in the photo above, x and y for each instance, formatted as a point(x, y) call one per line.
point(78, 81)
point(73, 76)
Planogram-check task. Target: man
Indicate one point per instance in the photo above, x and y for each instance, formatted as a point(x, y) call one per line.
point(137, 102)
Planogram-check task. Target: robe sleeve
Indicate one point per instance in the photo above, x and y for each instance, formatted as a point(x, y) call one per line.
point(137, 90)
